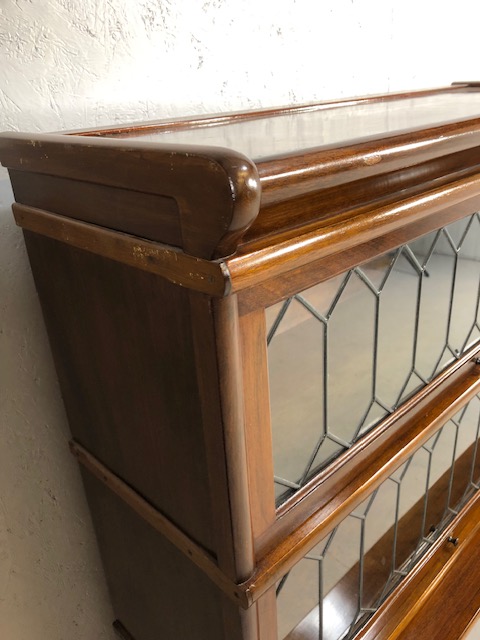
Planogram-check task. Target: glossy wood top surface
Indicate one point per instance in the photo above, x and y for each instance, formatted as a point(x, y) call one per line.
point(272, 133)
point(320, 178)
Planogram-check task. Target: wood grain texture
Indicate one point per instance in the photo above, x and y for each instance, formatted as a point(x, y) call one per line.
point(319, 507)
point(258, 443)
point(277, 288)
point(124, 355)
point(154, 263)
point(343, 597)
point(148, 216)
point(156, 591)
point(327, 201)
point(267, 615)
point(257, 422)
point(216, 190)
point(343, 232)
point(170, 263)
point(162, 525)
point(225, 316)
point(294, 175)
point(428, 602)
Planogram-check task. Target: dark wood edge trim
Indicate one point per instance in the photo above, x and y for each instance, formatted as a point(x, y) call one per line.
point(121, 631)
point(289, 549)
point(161, 524)
point(216, 119)
point(464, 85)
point(206, 276)
point(342, 233)
point(217, 190)
point(302, 278)
point(317, 168)
point(290, 539)
point(225, 318)
point(413, 593)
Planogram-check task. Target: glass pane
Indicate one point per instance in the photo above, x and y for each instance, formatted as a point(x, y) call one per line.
point(347, 352)
point(351, 572)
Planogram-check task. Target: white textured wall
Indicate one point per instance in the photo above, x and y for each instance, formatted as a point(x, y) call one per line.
point(76, 63)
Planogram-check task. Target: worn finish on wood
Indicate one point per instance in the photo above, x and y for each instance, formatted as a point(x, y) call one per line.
point(168, 262)
point(154, 263)
point(216, 190)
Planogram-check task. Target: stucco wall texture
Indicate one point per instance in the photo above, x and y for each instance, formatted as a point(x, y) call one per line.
point(70, 64)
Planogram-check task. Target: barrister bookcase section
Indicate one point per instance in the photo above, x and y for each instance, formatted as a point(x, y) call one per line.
point(265, 326)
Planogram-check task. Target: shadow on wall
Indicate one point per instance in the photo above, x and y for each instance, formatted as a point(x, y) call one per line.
point(51, 580)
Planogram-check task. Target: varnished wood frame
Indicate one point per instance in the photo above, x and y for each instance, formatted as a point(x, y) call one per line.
point(217, 191)
point(189, 122)
point(282, 538)
point(264, 270)
point(424, 603)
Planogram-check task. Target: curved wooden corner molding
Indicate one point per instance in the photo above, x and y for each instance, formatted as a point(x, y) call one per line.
point(217, 190)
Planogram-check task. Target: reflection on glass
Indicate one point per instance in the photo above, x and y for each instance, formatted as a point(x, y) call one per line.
point(347, 352)
point(353, 570)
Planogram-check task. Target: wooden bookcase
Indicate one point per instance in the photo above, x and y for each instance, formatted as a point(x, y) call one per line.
point(156, 250)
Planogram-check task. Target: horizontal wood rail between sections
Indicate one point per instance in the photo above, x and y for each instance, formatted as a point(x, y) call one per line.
point(334, 493)
point(329, 498)
point(173, 264)
point(162, 524)
point(440, 597)
point(297, 280)
point(401, 536)
point(343, 232)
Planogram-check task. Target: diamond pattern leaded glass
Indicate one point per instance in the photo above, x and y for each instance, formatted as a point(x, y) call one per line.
point(347, 352)
point(352, 571)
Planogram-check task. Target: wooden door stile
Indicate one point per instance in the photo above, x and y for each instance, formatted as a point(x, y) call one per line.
point(259, 449)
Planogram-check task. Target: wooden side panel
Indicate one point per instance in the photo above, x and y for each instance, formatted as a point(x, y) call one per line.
point(222, 415)
point(157, 593)
point(122, 344)
point(147, 215)
point(142, 384)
